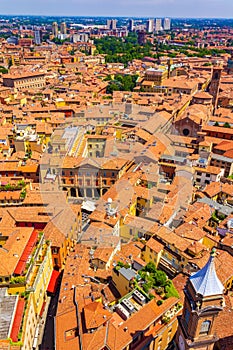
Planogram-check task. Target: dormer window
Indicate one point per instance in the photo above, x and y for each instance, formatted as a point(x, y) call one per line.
point(205, 327)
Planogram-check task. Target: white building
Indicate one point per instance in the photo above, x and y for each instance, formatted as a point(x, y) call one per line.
point(166, 24)
point(150, 25)
point(158, 24)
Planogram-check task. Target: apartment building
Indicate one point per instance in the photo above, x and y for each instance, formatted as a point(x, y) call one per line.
point(24, 81)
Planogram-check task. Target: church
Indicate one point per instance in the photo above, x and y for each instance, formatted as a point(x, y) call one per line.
point(206, 321)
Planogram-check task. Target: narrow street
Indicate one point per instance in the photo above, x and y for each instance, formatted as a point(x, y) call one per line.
point(48, 340)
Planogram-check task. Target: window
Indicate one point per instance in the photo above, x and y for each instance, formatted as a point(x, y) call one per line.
point(187, 317)
point(71, 173)
point(205, 327)
point(70, 334)
point(55, 250)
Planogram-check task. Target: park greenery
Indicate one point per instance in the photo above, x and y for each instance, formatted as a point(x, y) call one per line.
point(122, 50)
point(156, 279)
point(150, 278)
point(121, 83)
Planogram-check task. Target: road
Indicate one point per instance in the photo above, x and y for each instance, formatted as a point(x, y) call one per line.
point(48, 340)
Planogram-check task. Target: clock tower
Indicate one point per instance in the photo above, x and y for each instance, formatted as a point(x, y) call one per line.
point(203, 302)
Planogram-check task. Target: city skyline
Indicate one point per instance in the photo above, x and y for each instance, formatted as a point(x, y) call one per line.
point(136, 8)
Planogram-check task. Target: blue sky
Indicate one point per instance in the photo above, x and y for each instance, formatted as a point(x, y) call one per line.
point(147, 8)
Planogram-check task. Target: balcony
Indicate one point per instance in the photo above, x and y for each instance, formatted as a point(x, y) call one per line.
point(38, 267)
point(170, 267)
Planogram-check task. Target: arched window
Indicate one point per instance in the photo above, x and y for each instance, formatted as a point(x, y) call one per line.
point(205, 327)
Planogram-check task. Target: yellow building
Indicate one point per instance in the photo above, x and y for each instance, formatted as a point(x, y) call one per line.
point(40, 275)
point(152, 251)
point(122, 279)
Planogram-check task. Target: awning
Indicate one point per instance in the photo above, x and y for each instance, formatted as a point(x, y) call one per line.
point(53, 281)
point(88, 205)
point(27, 251)
point(17, 320)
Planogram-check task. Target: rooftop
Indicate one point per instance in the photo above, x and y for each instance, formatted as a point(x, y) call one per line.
point(7, 309)
point(205, 281)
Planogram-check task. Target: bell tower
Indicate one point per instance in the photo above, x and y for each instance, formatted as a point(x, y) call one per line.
point(203, 302)
point(215, 83)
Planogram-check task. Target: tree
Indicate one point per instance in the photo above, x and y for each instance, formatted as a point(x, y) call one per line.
point(10, 62)
point(150, 267)
point(226, 125)
point(160, 278)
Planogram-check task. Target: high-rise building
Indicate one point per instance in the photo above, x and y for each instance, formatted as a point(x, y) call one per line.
point(55, 29)
point(38, 36)
point(166, 24)
point(108, 25)
point(158, 24)
point(113, 24)
point(131, 25)
point(81, 37)
point(150, 25)
point(63, 28)
point(203, 302)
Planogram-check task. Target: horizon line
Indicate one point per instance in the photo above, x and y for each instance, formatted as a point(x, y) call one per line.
point(119, 16)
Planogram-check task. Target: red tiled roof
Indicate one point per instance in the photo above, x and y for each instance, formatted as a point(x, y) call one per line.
point(53, 281)
point(27, 251)
point(17, 320)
